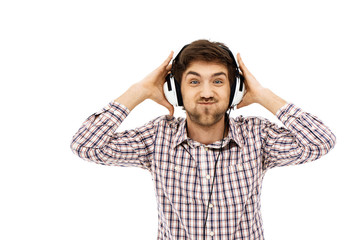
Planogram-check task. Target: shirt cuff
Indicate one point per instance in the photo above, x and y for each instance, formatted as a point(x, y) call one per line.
point(288, 113)
point(113, 113)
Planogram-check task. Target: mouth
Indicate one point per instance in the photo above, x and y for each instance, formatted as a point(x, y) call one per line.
point(206, 103)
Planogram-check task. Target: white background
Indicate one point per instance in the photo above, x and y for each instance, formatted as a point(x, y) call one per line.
point(61, 61)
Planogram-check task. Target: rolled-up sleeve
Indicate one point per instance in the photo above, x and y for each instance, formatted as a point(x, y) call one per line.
point(97, 141)
point(304, 138)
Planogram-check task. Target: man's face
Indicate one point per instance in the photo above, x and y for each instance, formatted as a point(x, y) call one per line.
point(205, 89)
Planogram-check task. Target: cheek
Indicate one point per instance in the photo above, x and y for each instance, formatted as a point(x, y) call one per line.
point(189, 101)
point(187, 94)
point(225, 94)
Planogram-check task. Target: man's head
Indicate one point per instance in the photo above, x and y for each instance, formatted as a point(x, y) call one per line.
point(205, 72)
point(205, 80)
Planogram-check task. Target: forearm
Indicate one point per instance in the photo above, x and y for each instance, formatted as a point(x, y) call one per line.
point(305, 138)
point(132, 97)
point(97, 141)
point(270, 100)
point(96, 132)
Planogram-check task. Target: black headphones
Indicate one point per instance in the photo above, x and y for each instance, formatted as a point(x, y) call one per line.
point(172, 89)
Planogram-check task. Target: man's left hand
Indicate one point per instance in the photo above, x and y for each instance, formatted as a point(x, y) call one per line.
point(252, 86)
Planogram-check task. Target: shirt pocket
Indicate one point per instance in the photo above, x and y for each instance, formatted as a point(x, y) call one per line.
point(236, 183)
point(180, 182)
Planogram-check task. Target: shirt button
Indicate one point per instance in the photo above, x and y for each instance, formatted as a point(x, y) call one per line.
point(208, 177)
point(211, 205)
point(212, 233)
point(176, 168)
point(206, 148)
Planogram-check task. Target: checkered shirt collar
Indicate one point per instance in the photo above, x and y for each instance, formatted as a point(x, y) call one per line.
point(236, 134)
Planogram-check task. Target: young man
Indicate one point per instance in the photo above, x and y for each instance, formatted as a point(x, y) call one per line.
point(207, 168)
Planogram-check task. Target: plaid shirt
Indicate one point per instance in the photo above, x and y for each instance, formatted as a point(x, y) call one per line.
point(183, 169)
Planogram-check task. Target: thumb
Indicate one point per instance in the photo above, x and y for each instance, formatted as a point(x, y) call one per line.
point(240, 105)
point(243, 103)
point(170, 107)
point(171, 110)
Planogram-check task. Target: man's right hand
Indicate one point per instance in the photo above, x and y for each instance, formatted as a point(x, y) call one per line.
point(151, 87)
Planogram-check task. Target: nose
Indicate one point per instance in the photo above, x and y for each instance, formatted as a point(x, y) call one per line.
point(206, 91)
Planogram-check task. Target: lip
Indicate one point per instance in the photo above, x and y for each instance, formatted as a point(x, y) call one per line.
point(206, 103)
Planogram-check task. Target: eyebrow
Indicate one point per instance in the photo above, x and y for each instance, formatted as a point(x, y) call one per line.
point(197, 74)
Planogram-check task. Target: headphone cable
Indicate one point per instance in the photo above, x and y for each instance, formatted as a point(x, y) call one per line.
point(212, 185)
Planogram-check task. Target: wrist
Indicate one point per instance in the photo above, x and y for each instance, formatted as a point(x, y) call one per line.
point(261, 95)
point(132, 97)
point(140, 91)
point(270, 100)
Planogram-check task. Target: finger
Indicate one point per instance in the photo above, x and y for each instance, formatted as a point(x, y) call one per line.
point(168, 68)
point(168, 59)
point(241, 64)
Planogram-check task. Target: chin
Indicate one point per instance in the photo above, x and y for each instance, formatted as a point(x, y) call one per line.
point(206, 120)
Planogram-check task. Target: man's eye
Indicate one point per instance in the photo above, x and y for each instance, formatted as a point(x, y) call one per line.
point(218, 81)
point(194, 82)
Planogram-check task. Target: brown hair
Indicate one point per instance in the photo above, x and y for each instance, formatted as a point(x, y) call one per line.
point(204, 50)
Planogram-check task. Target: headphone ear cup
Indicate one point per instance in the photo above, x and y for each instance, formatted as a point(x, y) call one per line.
point(172, 91)
point(237, 91)
point(178, 93)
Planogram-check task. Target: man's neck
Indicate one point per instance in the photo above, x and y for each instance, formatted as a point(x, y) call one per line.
point(206, 134)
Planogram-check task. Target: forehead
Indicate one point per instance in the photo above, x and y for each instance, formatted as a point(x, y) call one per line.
point(205, 68)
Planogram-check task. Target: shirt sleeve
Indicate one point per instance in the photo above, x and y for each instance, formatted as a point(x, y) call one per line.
point(97, 141)
point(305, 138)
